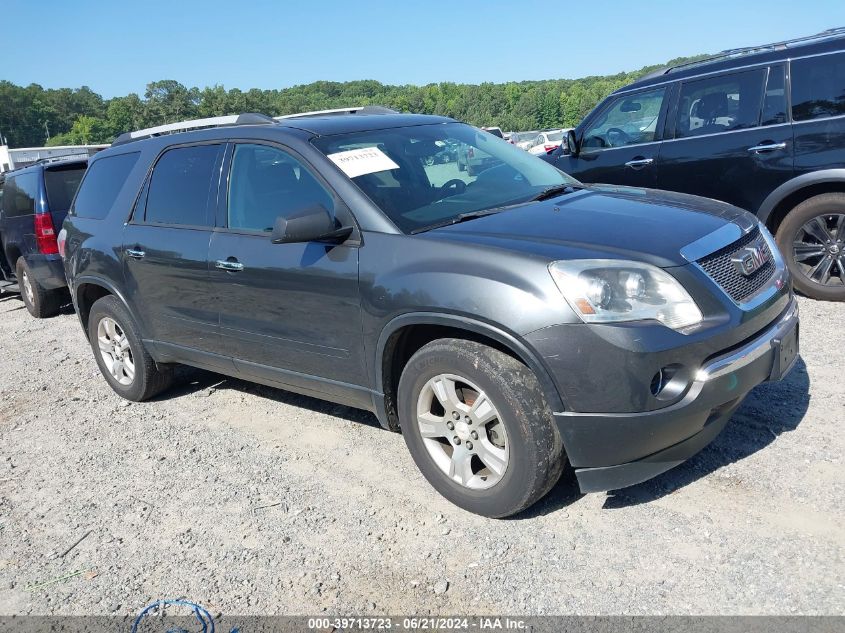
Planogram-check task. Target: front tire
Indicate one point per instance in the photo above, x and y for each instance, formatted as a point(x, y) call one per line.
point(812, 240)
point(39, 302)
point(478, 427)
point(124, 362)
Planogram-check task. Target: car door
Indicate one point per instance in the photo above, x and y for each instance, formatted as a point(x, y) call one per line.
point(290, 314)
point(165, 252)
point(731, 139)
point(621, 144)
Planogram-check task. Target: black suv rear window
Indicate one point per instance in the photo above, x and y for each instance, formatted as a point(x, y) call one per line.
point(62, 183)
point(818, 87)
point(180, 186)
point(102, 184)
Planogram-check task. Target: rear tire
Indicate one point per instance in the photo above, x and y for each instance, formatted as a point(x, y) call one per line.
point(820, 214)
point(510, 454)
point(39, 302)
point(120, 354)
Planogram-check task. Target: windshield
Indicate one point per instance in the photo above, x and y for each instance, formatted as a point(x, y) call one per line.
point(425, 175)
point(555, 136)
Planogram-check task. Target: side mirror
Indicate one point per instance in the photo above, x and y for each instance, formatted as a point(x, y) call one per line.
point(571, 143)
point(311, 224)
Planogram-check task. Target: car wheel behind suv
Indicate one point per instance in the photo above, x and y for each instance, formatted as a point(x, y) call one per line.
point(478, 427)
point(39, 302)
point(122, 358)
point(812, 239)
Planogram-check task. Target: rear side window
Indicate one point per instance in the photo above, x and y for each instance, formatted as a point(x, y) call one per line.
point(181, 185)
point(61, 184)
point(20, 194)
point(720, 104)
point(818, 87)
point(102, 184)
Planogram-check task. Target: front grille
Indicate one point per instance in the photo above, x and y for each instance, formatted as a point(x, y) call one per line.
point(723, 271)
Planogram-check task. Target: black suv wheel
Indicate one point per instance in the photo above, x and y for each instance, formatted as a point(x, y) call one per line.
point(39, 302)
point(478, 427)
point(812, 240)
point(120, 354)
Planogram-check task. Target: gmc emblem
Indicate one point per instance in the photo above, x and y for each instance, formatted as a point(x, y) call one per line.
point(750, 259)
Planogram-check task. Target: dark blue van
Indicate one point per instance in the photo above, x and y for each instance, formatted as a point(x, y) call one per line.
point(33, 204)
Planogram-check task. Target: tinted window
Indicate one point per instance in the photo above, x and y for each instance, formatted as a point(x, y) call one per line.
point(818, 87)
point(774, 103)
point(102, 184)
point(720, 104)
point(20, 194)
point(180, 186)
point(629, 120)
point(266, 183)
point(61, 184)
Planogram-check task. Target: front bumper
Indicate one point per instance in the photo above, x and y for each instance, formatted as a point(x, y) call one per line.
point(614, 450)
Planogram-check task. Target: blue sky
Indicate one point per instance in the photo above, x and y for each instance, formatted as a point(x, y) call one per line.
point(118, 46)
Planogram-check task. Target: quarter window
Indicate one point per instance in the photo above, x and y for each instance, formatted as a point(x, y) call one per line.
point(630, 120)
point(20, 194)
point(818, 87)
point(720, 104)
point(181, 186)
point(267, 183)
point(102, 184)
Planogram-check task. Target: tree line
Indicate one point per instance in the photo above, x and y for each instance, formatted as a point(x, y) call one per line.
point(34, 116)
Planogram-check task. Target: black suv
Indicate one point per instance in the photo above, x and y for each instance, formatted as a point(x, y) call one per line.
point(762, 128)
point(33, 204)
point(504, 321)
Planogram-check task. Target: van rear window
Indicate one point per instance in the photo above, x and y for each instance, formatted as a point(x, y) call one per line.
point(102, 185)
point(62, 183)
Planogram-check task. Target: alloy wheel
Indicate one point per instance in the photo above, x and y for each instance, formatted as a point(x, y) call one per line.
point(819, 249)
point(28, 290)
point(462, 431)
point(115, 351)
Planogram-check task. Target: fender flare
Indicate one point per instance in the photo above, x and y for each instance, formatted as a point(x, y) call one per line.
point(97, 281)
point(796, 184)
point(507, 339)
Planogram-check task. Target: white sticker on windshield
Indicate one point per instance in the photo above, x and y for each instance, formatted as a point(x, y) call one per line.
point(367, 160)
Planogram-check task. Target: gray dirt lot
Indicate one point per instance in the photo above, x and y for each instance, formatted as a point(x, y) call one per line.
point(171, 493)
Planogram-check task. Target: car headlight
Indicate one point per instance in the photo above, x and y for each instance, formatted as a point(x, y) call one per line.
point(608, 290)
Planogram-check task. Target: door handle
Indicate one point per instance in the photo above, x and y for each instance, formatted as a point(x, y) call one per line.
point(639, 163)
point(232, 267)
point(767, 147)
point(135, 254)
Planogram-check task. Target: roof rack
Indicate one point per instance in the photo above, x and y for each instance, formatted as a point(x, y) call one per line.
point(57, 159)
point(747, 50)
point(368, 109)
point(249, 118)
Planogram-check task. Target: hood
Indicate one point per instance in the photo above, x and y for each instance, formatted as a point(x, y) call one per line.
point(602, 221)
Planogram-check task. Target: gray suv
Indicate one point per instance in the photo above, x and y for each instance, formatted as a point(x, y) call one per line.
point(507, 323)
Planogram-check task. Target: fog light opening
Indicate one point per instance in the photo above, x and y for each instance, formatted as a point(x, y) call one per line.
point(669, 382)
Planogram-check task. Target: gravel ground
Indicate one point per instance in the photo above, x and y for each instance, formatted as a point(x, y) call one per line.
point(251, 500)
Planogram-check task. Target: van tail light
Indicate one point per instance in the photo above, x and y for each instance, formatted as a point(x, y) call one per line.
point(45, 234)
point(549, 148)
point(61, 242)
point(470, 152)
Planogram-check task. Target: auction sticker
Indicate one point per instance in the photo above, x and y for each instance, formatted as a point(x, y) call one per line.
point(367, 160)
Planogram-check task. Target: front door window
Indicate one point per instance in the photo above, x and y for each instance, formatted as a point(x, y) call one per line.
point(630, 120)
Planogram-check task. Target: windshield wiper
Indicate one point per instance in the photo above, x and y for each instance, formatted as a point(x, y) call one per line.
point(551, 192)
point(463, 217)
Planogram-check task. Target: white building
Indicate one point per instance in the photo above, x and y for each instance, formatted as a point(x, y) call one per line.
point(23, 156)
